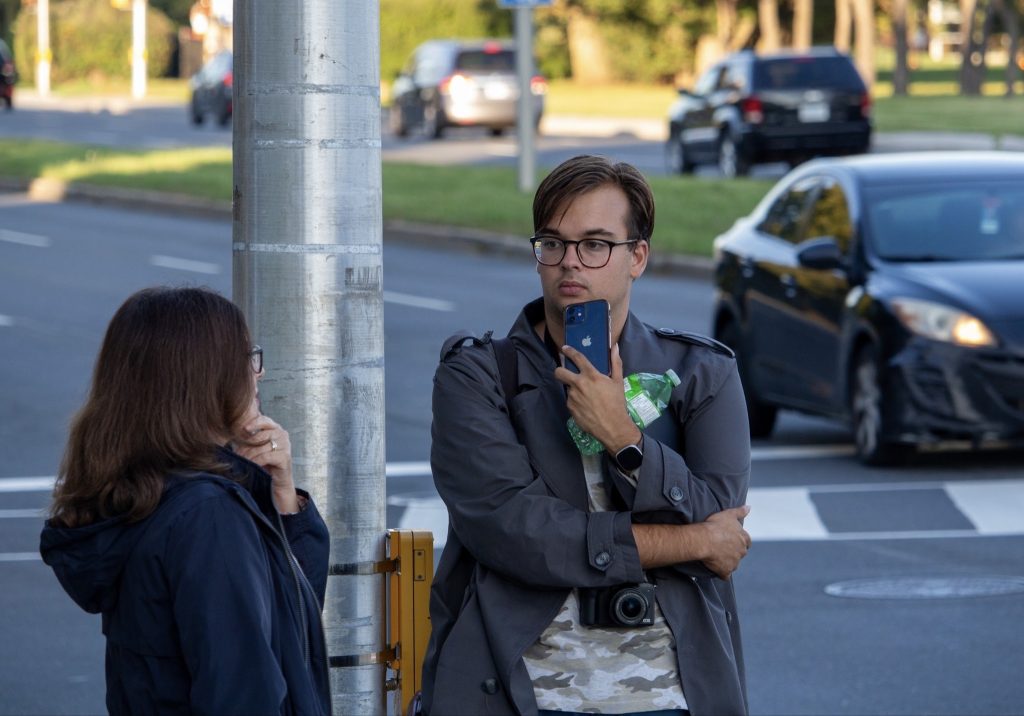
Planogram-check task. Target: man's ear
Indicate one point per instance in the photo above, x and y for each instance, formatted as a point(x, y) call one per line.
point(641, 252)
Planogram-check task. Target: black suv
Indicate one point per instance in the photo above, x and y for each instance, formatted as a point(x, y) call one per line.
point(788, 106)
point(8, 75)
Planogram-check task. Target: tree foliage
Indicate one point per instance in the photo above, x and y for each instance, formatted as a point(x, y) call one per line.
point(404, 24)
point(90, 39)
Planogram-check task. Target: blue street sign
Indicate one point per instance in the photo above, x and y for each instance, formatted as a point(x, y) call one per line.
point(524, 3)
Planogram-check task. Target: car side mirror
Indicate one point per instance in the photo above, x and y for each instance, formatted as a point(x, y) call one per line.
point(820, 253)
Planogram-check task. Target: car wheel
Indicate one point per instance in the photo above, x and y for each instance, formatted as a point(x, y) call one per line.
point(731, 161)
point(433, 122)
point(676, 157)
point(396, 122)
point(224, 118)
point(496, 131)
point(867, 413)
point(760, 415)
point(8, 103)
point(197, 116)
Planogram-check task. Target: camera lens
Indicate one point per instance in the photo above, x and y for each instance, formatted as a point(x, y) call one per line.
point(629, 607)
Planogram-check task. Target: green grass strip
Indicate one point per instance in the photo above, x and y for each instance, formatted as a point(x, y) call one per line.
point(690, 212)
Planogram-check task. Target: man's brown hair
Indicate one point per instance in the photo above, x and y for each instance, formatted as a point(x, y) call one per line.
point(586, 172)
point(173, 375)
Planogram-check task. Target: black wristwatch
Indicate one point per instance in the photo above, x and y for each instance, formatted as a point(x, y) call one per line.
point(630, 457)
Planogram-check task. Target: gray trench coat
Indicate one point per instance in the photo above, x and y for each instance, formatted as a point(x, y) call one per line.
point(521, 535)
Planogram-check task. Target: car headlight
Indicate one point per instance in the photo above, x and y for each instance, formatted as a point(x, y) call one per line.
point(942, 323)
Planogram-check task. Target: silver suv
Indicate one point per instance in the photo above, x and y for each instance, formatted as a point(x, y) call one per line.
point(462, 83)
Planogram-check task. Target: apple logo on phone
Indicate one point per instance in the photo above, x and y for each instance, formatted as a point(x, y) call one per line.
point(586, 342)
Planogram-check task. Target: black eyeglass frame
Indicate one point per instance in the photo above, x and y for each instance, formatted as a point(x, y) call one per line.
point(536, 240)
point(256, 359)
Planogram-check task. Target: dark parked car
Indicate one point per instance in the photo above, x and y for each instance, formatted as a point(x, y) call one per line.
point(748, 109)
point(8, 75)
point(211, 90)
point(885, 289)
point(461, 83)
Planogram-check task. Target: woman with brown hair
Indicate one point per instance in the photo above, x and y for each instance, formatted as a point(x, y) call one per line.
point(176, 517)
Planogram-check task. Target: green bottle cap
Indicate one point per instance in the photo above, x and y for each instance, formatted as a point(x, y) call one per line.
point(671, 375)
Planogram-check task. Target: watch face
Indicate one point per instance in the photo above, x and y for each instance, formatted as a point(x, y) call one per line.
point(629, 458)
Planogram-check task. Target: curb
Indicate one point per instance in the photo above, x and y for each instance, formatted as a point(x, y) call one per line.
point(479, 240)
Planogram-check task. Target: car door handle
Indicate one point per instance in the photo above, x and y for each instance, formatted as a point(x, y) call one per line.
point(790, 285)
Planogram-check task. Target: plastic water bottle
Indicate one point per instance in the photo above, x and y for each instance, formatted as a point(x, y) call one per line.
point(647, 396)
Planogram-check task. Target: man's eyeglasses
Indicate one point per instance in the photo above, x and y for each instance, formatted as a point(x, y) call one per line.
point(256, 359)
point(593, 253)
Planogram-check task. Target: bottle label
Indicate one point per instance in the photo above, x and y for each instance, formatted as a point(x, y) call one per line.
point(642, 409)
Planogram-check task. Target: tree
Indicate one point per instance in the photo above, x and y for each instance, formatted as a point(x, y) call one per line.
point(901, 73)
point(1010, 14)
point(803, 21)
point(843, 25)
point(768, 21)
point(975, 26)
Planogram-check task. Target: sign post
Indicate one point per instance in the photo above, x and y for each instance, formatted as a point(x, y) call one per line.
point(526, 115)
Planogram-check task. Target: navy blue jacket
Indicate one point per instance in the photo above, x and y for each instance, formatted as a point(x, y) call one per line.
point(204, 608)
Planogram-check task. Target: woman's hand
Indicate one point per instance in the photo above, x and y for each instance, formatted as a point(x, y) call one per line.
point(272, 450)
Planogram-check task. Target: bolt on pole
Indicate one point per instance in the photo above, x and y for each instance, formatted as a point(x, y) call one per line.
point(307, 271)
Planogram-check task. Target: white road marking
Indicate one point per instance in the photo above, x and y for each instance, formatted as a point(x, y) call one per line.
point(992, 506)
point(423, 513)
point(783, 513)
point(172, 262)
point(407, 469)
point(26, 484)
point(20, 237)
point(6, 321)
point(15, 514)
point(20, 557)
point(431, 304)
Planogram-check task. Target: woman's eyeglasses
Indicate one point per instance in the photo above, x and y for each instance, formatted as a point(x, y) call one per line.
point(256, 359)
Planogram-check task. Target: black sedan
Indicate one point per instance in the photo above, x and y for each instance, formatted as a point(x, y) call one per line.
point(212, 90)
point(887, 290)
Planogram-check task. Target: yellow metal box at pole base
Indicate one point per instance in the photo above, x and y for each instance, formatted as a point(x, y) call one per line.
point(409, 608)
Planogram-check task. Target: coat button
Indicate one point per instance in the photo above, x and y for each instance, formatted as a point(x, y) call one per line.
point(602, 559)
point(490, 686)
point(676, 493)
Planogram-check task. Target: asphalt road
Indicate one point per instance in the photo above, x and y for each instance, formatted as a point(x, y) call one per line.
point(831, 623)
point(127, 125)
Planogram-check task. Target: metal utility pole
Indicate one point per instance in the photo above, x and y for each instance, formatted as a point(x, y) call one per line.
point(308, 273)
point(44, 55)
point(525, 117)
point(138, 49)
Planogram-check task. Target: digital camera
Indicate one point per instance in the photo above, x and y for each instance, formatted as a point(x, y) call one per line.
point(625, 605)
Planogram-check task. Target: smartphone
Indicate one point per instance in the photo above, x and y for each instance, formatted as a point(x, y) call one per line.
point(588, 330)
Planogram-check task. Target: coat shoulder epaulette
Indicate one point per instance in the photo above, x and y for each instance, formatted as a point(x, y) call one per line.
point(695, 339)
point(455, 343)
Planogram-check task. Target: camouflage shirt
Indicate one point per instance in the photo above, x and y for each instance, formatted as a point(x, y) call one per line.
point(603, 669)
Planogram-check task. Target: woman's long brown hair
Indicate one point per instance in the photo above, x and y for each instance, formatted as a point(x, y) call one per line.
point(172, 376)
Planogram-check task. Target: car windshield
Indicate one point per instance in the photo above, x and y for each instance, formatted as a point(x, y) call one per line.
point(487, 61)
point(975, 221)
point(806, 72)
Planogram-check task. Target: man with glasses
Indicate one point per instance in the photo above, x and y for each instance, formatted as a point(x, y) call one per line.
point(551, 554)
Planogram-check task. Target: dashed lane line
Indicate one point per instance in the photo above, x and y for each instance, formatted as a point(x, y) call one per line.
point(178, 264)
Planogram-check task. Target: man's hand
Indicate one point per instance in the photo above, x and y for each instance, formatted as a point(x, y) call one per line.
point(728, 542)
point(597, 402)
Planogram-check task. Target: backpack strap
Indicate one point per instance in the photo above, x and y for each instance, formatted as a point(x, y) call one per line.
point(508, 369)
